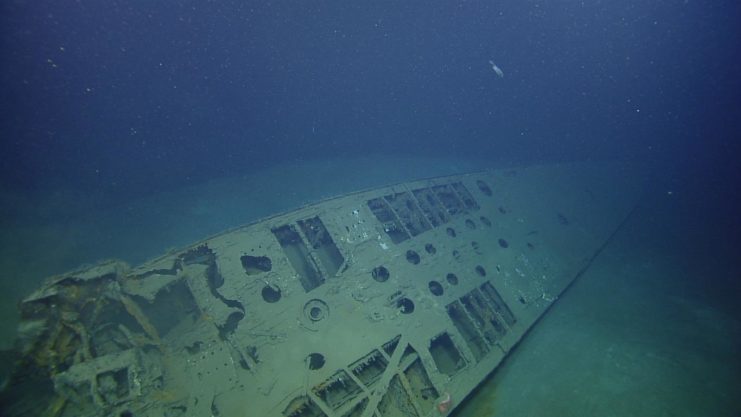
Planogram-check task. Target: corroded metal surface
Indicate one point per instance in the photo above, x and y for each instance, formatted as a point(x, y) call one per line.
point(397, 301)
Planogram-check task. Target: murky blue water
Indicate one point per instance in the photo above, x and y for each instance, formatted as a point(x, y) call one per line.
point(114, 114)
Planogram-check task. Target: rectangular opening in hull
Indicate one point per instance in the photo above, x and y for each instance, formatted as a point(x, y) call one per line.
point(450, 200)
point(489, 322)
point(406, 208)
point(422, 390)
point(303, 406)
point(467, 329)
point(321, 241)
point(299, 257)
point(337, 390)
point(369, 368)
point(431, 207)
point(446, 356)
point(391, 225)
point(498, 303)
point(466, 196)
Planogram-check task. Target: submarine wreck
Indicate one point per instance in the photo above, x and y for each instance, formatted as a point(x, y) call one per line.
point(394, 301)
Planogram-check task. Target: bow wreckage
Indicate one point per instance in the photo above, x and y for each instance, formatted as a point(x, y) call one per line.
point(396, 301)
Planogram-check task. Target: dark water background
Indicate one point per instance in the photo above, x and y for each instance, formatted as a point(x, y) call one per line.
point(107, 101)
point(123, 98)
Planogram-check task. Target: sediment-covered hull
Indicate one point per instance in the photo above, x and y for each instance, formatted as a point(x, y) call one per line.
point(396, 301)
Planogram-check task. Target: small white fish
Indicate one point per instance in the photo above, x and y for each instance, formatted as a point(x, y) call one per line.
point(496, 69)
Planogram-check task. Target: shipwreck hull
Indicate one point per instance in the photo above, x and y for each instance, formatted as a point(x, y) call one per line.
point(396, 301)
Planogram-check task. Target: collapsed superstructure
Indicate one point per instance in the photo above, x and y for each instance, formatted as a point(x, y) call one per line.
point(396, 301)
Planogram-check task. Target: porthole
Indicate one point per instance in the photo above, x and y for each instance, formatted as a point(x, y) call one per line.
point(271, 293)
point(380, 274)
point(435, 288)
point(413, 257)
point(315, 361)
point(405, 306)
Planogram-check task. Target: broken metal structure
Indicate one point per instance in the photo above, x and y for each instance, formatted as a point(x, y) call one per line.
point(396, 301)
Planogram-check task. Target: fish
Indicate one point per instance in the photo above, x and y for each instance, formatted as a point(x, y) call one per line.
point(496, 69)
